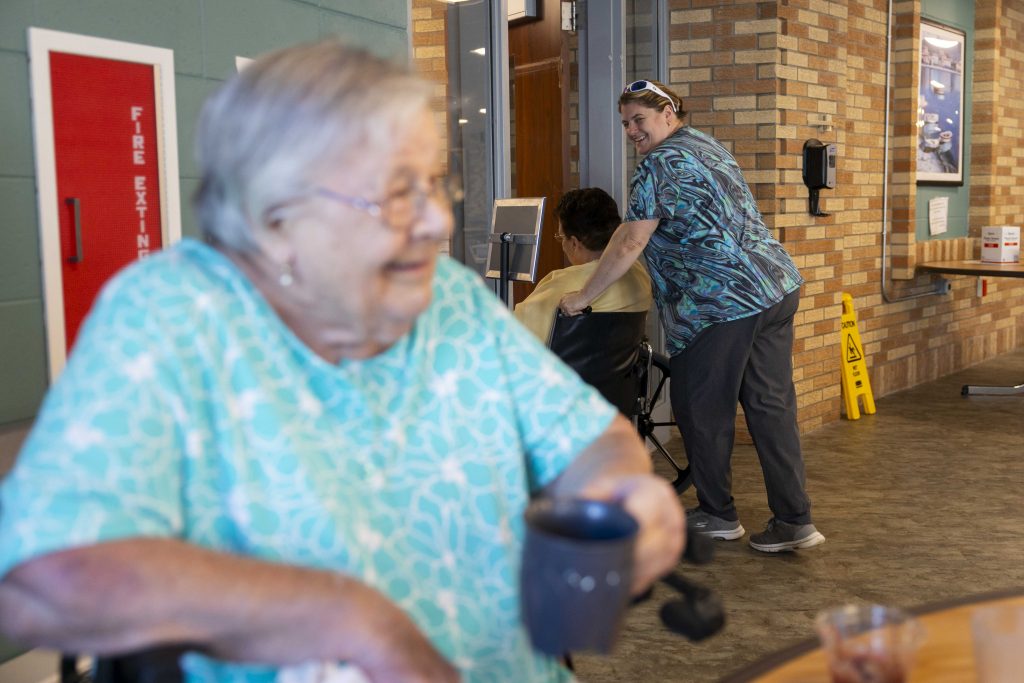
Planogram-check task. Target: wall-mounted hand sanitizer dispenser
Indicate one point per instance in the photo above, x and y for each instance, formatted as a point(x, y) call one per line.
point(819, 171)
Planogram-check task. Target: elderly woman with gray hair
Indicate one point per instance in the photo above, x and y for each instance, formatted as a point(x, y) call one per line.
point(310, 438)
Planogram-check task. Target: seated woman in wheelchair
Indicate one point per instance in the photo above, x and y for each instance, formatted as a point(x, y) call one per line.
point(586, 220)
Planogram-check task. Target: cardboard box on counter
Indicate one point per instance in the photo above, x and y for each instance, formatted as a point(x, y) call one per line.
point(1000, 244)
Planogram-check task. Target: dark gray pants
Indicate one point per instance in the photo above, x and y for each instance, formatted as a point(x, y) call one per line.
point(751, 361)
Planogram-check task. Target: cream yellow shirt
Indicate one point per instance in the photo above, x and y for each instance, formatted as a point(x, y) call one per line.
point(630, 293)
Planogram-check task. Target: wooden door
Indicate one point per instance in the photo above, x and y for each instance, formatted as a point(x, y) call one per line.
point(540, 123)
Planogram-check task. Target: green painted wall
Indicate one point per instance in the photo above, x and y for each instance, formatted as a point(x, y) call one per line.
point(205, 35)
point(957, 14)
point(8, 650)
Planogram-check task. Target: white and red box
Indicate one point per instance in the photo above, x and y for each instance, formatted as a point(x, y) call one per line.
point(1000, 244)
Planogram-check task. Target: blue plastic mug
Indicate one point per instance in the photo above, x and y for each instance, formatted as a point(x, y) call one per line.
point(576, 573)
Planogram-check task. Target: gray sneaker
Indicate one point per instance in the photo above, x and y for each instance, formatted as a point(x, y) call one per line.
point(779, 536)
point(713, 527)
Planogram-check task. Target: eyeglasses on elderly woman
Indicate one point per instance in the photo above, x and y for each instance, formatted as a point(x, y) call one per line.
point(640, 86)
point(400, 210)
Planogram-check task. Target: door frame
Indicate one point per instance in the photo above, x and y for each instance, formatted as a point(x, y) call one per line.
point(41, 43)
point(602, 73)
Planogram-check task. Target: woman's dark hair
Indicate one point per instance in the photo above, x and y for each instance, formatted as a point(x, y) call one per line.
point(590, 215)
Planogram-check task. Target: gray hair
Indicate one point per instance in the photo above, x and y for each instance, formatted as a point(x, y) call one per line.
point(266, 133)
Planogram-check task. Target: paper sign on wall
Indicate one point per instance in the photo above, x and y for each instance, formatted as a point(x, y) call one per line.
point(938, 215)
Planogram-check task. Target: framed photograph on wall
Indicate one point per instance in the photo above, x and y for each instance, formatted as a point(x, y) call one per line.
point(940, 105)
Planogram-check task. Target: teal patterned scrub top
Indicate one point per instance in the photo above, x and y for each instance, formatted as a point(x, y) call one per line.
point(188, 410)
point(711, 258)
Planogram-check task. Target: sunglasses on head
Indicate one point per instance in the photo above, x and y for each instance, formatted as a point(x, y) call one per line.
point(640, 86)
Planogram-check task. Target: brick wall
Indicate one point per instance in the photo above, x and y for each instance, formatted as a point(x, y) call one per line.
point(751, 74)
point(430, 58)
point(429, 53)
point(997, 170)
point(755, 73)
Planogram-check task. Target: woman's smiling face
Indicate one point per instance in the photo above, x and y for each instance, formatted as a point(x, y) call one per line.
point(367, 277)
point(646, 127)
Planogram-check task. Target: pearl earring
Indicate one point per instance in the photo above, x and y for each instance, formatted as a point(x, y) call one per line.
point(287, 277)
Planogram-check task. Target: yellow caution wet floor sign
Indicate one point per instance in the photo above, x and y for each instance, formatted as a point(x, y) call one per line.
point(855, 368)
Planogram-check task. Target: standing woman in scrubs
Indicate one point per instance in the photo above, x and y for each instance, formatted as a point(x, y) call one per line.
point(727, 291)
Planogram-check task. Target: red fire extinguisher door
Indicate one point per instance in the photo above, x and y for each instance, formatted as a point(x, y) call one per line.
point(105, 139)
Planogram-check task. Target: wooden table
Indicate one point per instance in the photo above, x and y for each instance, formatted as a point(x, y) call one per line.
point(946, 656)
point(974, 268)
point(980, 269)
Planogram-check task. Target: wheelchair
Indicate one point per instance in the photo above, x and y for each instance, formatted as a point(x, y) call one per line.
point(655, 373)
point(153, 665)
point(610, 351)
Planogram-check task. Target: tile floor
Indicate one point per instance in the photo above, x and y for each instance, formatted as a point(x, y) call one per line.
point(921, 502)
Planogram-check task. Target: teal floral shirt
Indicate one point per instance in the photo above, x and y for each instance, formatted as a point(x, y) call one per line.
point(711, 258)
point(188, 410)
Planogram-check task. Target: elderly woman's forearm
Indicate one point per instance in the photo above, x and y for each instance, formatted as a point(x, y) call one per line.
point(617, 453)
point(131, 594)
